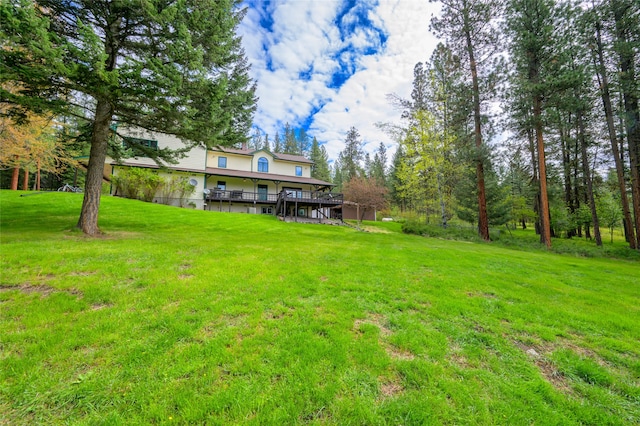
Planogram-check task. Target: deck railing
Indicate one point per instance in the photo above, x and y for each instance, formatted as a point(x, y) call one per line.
point(239, 196)
point(314, 196)
point(288, 195)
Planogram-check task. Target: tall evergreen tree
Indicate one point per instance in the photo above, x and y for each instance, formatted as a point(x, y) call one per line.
point(352, 155)
point(155, 65)
point(626, 16)
point(337, 175)
point(396, 183)
point(367, 165)
point(303, 145)
point(265, 142)
point(530, 26)
point(468, 27)
point(277, 144)
point(379, 165)
point(290, 141)
point(594, 30)
point(256, 139)
point(320, 160)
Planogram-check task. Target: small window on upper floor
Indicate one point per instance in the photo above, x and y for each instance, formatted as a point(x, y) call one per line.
point(263, 165)
point(222, 162)
point(139, 146)
point(298, 170)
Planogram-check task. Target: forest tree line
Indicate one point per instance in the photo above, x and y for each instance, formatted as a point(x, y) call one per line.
point(527, 112)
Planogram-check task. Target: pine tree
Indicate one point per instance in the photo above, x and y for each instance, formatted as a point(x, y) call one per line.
point(320, 169)
point(277, 144)
point(379, 165)
point(337, 176)
point(468, 28)
point(265, 142)
point(352, 155)
point(290, 142)
point(594, 30)
point(529, 24)
point(396, 183)
point(303, 146)
point(626, 16)
point(154, 65)
point(256, 139)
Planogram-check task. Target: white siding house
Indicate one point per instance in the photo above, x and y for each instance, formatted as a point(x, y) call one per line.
point(237, 180)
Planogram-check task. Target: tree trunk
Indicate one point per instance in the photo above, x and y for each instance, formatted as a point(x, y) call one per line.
point(632, 115)
point(88, 221)
point(25, 179)
point(38, 175)
point(608, 110)
point(535, 180)
point(587, 178)
point(15, 177)
point(566, 168)
point(545, 222)
point(483, 219)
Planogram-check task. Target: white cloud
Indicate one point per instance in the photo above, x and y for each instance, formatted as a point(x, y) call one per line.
point(304, 40)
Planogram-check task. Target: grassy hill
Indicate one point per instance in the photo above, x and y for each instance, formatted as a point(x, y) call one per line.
point(179, 316)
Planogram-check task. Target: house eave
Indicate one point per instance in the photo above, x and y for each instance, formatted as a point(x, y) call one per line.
point(267, 176)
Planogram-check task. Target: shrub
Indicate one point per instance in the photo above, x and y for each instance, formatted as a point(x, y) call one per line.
point(137, 183)
point(451, 232)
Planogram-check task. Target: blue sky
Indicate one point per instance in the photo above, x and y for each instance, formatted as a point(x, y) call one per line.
point(327, 65)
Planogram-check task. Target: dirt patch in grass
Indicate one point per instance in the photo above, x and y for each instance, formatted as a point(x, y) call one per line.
point(380, 321)
point(584, 352)
point(216, 326)
point(278, 312)
point(457, 357)
point(82, 274)
point(99, 306)
point(484, 295)
point(42, 289)
point(390, 387)
point(322, 415)
point(398, 353)
point(376, 320)
point(539, 355)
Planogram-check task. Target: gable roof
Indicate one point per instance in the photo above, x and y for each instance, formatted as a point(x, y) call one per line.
point(251, 152)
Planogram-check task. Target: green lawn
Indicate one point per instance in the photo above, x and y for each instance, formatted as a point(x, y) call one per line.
point(179, 316)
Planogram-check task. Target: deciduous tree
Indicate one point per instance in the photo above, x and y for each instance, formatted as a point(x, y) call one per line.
point(366, 193)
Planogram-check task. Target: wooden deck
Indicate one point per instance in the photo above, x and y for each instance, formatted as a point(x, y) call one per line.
point(310, 198)
point(291, 202)
point(288, 203)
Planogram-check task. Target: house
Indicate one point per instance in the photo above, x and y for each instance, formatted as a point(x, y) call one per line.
point(238, 180)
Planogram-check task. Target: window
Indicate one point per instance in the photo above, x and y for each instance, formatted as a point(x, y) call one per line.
point(298, 170)
point(222, 185)
point(222, 162)
point(267, 210)
point(139, 146)
point(263, 165)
